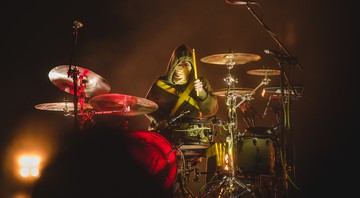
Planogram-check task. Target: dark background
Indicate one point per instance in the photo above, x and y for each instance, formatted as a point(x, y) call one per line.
point(129, 44)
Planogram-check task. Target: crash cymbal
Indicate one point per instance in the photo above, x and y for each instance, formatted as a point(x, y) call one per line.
point(226, 59)
point(91, 84)
point(61, 106)
point(236, 90)
point(264, 72)
point(123, 105)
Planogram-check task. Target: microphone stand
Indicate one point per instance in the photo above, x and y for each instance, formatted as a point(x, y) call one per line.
point(291, 60)
point(74, 72)
point(273, 35)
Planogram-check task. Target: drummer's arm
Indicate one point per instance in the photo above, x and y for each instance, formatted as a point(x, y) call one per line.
point(208, 102)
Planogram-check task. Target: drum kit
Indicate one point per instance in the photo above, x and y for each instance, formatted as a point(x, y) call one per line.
point(247, 155)
point(251, 159)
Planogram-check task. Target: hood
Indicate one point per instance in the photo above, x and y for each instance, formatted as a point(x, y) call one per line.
point(179, 54)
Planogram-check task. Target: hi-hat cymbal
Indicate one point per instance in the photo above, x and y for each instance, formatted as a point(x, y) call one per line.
point(236, 91)
point(230, 58)
point(61, 106)
point(90, 83)
point(123, 105)
point(264, 72)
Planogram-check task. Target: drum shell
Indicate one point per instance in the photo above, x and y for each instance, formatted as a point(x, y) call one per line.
point(255, 155)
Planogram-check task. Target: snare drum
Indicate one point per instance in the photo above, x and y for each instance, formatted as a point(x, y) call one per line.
point(192, 133)
point(255, 154)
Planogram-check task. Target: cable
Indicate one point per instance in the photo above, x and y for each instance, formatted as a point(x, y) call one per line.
point(286, 172)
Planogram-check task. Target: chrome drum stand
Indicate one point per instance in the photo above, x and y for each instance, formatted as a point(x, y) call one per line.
point(229, 185)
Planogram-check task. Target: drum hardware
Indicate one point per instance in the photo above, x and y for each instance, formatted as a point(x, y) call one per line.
point(196, 171)
point(229, 185)
point(267, 106)
point(248, 111)
point(80, 82)
point(183, 173)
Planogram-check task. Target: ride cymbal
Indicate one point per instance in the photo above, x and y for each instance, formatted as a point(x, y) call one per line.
point(61, 106)
point(264, 72)
point(89, 83)
point(123, 105)
point(230, 58)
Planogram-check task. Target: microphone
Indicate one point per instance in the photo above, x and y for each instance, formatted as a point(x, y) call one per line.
point(179, 116)
point(267, 106)
point(77, 24)
point(281, 56)
point(238, 2)
point(273, 52)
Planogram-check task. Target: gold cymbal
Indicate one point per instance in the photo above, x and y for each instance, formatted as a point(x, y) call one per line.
point(123, 105)
point(90, 83)
point(230, 58)
point(236, 91)
point(61, 106)
point(264, 72)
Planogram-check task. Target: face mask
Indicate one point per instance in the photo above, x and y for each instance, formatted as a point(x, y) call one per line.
point(181, 73)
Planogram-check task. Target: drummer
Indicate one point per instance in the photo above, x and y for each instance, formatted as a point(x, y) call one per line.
point(179, 94)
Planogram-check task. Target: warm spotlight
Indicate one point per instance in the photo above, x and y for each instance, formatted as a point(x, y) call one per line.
point(29, 166)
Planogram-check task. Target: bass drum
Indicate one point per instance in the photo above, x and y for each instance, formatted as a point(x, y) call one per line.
point(255, 152)
point(157, 154)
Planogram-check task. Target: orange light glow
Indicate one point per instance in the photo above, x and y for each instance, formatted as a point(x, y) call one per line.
point(226, 157)
point(29, 166)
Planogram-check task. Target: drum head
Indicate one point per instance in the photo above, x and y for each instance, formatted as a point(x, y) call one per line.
point(157, 155)
point(192, 133)
point(259, 132)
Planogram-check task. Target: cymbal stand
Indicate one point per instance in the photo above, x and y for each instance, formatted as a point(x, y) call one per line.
point(74, 72)
point(246, 97)
point(230, 185)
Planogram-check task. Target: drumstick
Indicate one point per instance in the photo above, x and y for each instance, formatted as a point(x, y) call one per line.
point(195, 70)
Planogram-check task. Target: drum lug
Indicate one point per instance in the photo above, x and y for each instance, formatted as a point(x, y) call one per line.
point(267, 142)
point(254, 141)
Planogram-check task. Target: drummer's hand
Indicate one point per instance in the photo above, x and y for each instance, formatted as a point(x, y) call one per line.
point(198, 85)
